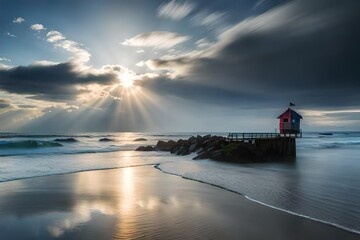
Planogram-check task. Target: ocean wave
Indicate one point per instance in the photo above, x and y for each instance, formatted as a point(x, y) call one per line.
point(65, 152)
point(27, 144)
point(171, 135)
point(348, 143)
point(329, 145)
point(16, 135)
point(339, 144)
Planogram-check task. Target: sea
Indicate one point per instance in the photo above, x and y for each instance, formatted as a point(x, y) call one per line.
point(322, 184)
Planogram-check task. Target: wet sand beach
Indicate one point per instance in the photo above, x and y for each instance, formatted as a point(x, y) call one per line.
point(142, 203)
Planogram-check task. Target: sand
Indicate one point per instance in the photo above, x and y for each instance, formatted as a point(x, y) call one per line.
point(142, 203)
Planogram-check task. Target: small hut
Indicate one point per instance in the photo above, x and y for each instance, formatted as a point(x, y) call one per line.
point(290, 122)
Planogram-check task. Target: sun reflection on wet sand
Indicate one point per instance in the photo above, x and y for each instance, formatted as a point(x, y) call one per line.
point(126, 225)
point(120, 198)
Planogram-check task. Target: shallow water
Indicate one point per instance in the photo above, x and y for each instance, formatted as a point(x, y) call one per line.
point(323, 183)
point(317, 185)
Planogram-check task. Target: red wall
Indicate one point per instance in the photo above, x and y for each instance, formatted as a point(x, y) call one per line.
point(286, 115)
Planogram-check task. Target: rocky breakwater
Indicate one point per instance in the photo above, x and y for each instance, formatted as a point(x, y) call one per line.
point(217, 148)
point(203, 146)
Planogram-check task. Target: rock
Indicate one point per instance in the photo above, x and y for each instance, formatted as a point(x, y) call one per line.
point(192, 139)
point(181, 150)
point(180, 141)
point(204, 142)
point(185, 152)
point(165, 146)
point(211, 144)
point(177, 146)
point(241, 152)
point(140, 140)
point(203, 155)
point(145, 149)
point(175, 149)
point(216, 155)
point(199, 151)
point(66, 140)
point(105, 140)
point(193, 147)
point(207, 136)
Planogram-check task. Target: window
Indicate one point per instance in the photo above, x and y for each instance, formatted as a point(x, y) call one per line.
point(286, 120)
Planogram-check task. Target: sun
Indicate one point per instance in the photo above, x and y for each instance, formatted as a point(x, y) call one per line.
point(128, 83)
point(127, 80)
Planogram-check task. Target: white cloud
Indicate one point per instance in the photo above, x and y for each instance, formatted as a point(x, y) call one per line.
point(175, 10)
point(5, 59)
point(37, 27)
point(19, 20)
point(10, 35)
point(210, 20)
point(4, 67)
point(140, 51)
point(158, 40)
point(141, 64)
point(203, 43)
point(54, 36)
point(44, 63)
point(6, 105)
point(80, 55)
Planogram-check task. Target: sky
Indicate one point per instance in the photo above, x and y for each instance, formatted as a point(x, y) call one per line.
point(178, 65)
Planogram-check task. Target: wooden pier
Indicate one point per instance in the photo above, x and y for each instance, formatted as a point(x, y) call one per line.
point(275, 143)
point(244, 137)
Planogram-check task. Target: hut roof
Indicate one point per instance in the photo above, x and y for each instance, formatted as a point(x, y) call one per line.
point(291, 113)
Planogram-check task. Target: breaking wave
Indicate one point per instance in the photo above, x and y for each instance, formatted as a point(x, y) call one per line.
point(16, 135)
point(27, 144)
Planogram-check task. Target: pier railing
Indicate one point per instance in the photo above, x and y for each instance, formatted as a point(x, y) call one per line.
point(242, 137)
point(236, 137)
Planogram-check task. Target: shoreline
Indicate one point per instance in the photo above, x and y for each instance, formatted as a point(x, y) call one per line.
point(264, 204)
point(156, 166)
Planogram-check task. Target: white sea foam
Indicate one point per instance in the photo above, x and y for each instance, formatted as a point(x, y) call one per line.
point(305, 216)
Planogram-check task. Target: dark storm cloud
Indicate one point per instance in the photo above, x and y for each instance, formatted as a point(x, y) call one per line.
point(50, 82)
point(306, 51)
point(199, 92)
